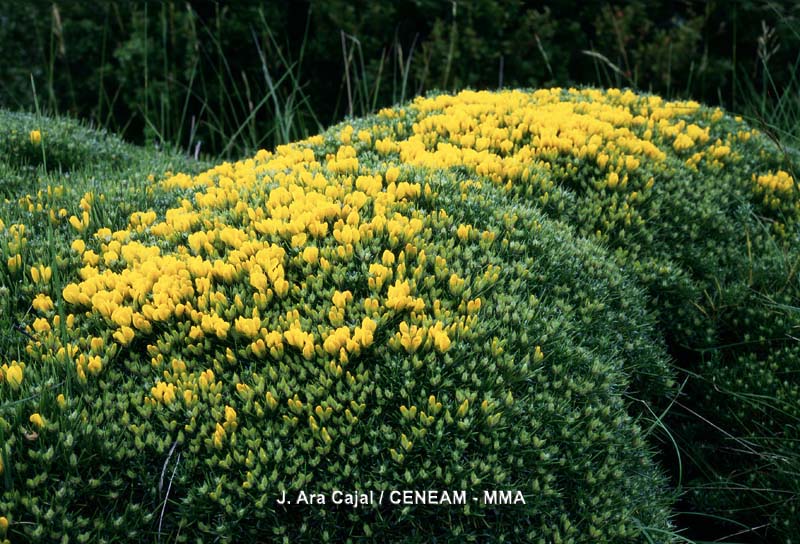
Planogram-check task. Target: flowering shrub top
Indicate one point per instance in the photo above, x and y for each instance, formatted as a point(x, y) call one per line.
point(649, 177)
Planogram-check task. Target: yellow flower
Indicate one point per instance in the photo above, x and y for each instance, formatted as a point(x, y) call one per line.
point(311, 254)
point(272, 402)
point(71, 293)
point(248, 327)
point(141, 323)
point(340, 299)
point(91, 258)
point(14, 375)
point(95, 364)
point(219, 436)
point(42, 303)
point(76, 223)
point(36, 137)
point(163, 392)
point(41, 325)
point(37, 420)
point(682, 142)
point(411, 338)
point(122, 316)
point(124, 335)
point(392, 174)
point(221, 328)
point(462, 410)
point(206, 378)
point(230, 418)
point(365, 136)
point(14, 263)
point(346, 133)
point(398, 296)
point(456, 284)
point(440, 339)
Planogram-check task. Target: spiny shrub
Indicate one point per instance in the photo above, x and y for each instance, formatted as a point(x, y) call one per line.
point(330, 317)
point(679, 192)
point(704, 212)
point(695, 205)
point(61, 143)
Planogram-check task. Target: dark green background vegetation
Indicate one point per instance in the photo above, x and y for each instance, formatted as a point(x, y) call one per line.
point(236, 77)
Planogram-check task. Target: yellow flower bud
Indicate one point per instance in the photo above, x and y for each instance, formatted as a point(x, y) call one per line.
point(14, 375)
point(37, 420)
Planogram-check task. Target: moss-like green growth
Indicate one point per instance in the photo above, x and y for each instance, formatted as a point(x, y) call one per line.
point(748, 390)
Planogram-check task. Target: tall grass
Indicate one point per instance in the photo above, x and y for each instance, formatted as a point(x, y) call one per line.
point(774, 108)
point(191, 96)
point(234, 118)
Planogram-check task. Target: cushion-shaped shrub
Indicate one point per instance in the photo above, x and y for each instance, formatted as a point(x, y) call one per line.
point(101, 185)
point(704, 212)
point(695, 205)
point(329, 318)
point(60, 143)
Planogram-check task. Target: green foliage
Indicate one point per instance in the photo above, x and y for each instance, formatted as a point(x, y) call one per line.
point(747, 391)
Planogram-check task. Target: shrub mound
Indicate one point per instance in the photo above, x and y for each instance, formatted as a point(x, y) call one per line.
point(435, 297)
point(704, 212)
point(68, 145)
point(327, 318)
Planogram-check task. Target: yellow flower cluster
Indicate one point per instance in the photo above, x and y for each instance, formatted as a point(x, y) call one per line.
point(227, 272)
point(41, 273)
point(499, 134)
point(780, 181)
point(231, 261)
point(14, 240)
point(609, 142)
point(778, 189)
